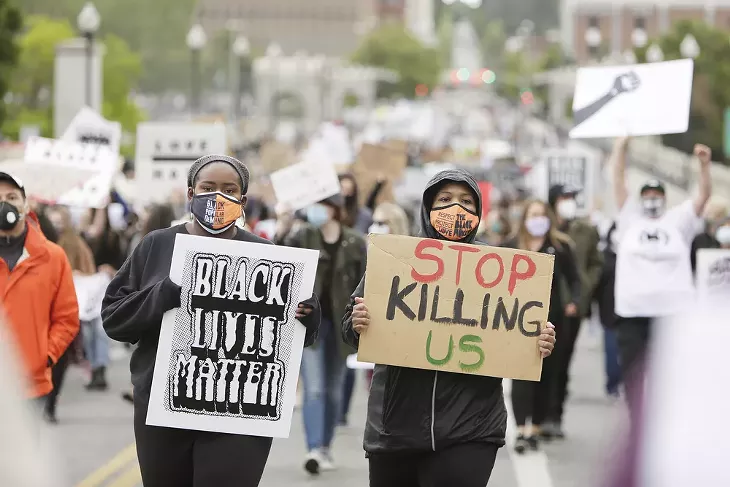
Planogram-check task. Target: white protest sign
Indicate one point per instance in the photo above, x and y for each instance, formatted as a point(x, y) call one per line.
point(165, 151)
point(305, 183)
point(713, 277)
point(573, 169)
point(88, 127)
point(635, 100)
point(69, 173)
point(90, 294)
point(228, 358)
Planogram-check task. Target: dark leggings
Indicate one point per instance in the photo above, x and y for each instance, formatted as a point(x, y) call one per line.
point(633, 336)
point(465, 465)
point(58, 373)
point(171, 457)
point(537, 400)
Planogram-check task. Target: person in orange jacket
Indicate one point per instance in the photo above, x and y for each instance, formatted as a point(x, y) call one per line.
point(36, 289)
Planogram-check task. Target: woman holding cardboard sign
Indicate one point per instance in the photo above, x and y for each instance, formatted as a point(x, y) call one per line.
point(539, 400)
point(429, 428)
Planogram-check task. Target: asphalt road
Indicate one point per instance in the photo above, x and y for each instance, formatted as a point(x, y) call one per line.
point(93, 445)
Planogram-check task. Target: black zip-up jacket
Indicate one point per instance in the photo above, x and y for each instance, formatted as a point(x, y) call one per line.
point(141, 293)
point(412, 410)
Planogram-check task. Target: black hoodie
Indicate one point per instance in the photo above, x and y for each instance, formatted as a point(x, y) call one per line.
point(412, 410)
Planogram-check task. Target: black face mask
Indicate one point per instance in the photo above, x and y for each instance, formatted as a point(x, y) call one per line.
point(9, 216)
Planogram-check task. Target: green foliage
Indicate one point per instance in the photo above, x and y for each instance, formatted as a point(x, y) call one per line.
point(154, 28)
point(32, 81)
point(711, 87)
point(393, 47)
point(10, 25)
point(492, 43)
point(445, 34)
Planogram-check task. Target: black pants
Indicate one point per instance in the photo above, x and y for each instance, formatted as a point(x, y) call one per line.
point(536, 400)
point(633, 336)
point(171, 457)
point(565, 358)
point(465, 465)
point(58, 373)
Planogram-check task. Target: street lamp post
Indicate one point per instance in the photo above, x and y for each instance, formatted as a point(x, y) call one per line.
point(196, 41)
point(654, 54)
point(88, 23)
point(241, 49)
point(593, 40)
point(689, 48)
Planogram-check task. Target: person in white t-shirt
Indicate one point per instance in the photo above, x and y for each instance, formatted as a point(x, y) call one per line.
point(653, 271)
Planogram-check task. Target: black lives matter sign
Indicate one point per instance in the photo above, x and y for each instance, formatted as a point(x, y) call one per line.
point(569, 170)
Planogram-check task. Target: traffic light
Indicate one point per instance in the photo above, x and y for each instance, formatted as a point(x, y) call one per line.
point(421, 90)
point(488, 76)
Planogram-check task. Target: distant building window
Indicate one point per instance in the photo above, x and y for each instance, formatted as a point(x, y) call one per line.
point(640, 23)
point(593, 21)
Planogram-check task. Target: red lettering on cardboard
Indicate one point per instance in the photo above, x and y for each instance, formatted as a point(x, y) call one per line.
point(461, 249)
point(480, 276)
point(420, 254)
point(516, 275)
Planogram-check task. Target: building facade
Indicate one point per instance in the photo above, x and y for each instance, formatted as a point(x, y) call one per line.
point(593, 28)
point(329, 27)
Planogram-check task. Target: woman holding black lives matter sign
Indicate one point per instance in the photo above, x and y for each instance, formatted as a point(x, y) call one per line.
point(537, 400)
point(442, 428)
point(133, 307)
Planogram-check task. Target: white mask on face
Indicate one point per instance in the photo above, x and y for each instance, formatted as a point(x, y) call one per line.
point(723, 235)
point(653, 207)
point(537, 226)
point(567, 209)
point(379, 228)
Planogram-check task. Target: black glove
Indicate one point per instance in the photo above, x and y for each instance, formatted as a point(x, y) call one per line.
point(171, 293)
point(312, 320)
point(49, 362)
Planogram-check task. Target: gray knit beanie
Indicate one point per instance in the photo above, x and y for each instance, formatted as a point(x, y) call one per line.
point(240, 168)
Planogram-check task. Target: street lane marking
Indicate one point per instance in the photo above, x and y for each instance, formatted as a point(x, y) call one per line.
point(108, 469)
point(531, 468)
point(131, 478)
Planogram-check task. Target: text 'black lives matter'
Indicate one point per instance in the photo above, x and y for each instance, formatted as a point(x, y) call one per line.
point(231, 365)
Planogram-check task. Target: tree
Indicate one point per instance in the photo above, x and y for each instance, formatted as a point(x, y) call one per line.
point(392, 47)
point(10, 24)
point(445, 34)
point(32, 81)
point(711, 87)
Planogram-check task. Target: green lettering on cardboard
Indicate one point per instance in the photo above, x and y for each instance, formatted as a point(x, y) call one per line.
point(466, 347)
point(446, 359)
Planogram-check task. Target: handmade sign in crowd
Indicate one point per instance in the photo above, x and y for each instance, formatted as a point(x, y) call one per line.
point(455, 307)
point(228, 359)
point(713, 278)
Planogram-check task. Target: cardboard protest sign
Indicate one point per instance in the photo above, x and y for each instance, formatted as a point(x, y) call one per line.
point(46, 183)
point(90, 294)
point(228, 358)
point(713, 278)
point(634, 100)
point(305, 183)
point(88, 127)
point(454, 307)
point(387, 160)
point(70, 173)
point(275, 155)
point(165, 151)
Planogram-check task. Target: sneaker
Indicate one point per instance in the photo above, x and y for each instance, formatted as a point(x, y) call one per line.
point(327, 464)
point(551, 430)
point(313, 462)
point(521, 444)
point(533, 443)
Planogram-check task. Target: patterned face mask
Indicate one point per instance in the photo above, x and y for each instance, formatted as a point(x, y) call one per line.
point(454, 222)
point(215, 212)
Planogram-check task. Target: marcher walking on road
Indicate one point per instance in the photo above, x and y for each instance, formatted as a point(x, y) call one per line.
point(538, 232)
point(342, 257)
point(82, 262)
point(440, 428)
point(653, 270)
point(36, 290)
point(133, 307)
point(589, 261)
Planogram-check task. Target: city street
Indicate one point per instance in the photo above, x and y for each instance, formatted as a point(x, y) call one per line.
point(93, 444)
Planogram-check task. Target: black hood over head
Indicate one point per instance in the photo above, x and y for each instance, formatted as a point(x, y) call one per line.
point(432, 188)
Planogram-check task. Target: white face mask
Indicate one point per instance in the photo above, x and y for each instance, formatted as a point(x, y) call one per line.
point(567, 209)
point(379, 228)
point(723, 235)
point(537, 226)
point(653, 207)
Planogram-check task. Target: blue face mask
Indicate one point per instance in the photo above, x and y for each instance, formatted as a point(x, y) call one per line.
point(318, 215)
